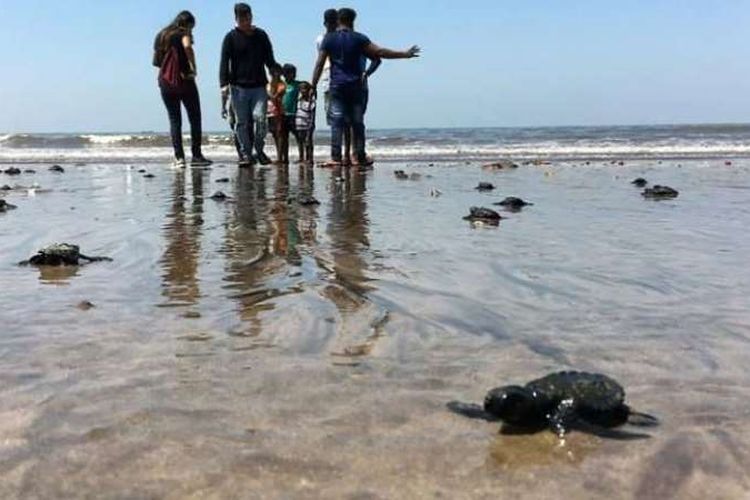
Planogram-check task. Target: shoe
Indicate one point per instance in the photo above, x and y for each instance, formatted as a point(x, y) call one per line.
point(263, 159)
point(200, 161)
point(179, 163)
point(246, 163)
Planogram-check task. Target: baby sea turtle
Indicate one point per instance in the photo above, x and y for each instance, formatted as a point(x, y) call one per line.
point(219, 196)
point(401, 175)
point(640, 182)
point(60, 254)
point(660, 192)
point(560, 401)
point(500, 165)
point(5, 206)
point(13, 171)
point(57, 168)
point(481, 214)
point(305, 200)
point(513, 203)
point(485, 186)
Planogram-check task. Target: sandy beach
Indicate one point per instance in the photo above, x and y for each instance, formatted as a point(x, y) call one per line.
point(262, 348)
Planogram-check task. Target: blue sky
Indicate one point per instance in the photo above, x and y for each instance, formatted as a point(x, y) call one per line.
point(84, 65)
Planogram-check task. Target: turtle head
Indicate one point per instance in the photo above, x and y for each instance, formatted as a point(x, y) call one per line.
point(511, 403)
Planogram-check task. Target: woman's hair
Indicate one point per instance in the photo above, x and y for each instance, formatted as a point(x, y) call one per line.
point(181, 24)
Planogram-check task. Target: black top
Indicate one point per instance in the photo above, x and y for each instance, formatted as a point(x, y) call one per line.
point(244, 58)
point(175, 40)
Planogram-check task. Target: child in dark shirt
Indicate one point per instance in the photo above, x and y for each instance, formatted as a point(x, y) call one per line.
point(291, 96)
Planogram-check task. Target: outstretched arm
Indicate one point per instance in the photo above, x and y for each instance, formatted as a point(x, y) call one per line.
point(374, 52)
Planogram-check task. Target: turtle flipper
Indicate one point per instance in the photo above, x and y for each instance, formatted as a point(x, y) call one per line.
point(604, 432)
point(471, 410)
point(562, 417)
point(94, 259)
point(638, 419)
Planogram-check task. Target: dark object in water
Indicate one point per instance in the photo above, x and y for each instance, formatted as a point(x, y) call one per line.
point(57, 168)
point(307, 201)
point(219, 196)
point(401, 175)
point(5, 206)
point(29, 171)
point(223, 180)
point(485, 186)
point(513, 203)
point(149, 176)
point(6, 187)
point(500, 165)
point(141, 170)
point(640, 182)
point(727, 163)
point(660, 193)
point(481, 214)
point(13, 171)
point(85, 305)
point(563, 401)
point(61, 254)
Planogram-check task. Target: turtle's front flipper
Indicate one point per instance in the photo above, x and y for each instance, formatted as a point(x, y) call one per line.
point(561, 418)
point(470, 410)
point(604, 432)
point(95, 259)
point(642, 419)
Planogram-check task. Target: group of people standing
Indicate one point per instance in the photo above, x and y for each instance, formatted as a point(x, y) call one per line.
point(285, 106)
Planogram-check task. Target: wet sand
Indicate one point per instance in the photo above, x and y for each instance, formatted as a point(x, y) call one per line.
point(257, 348)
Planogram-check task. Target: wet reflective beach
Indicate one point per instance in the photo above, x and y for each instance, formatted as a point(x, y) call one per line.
point(260, 347)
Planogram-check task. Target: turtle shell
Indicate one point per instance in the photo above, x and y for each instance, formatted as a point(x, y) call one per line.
point(591, 391)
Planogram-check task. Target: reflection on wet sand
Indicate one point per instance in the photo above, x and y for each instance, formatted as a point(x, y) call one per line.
point(182, 232)
point(361, 320)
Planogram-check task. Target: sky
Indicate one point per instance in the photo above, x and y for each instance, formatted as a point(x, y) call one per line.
point(85, 65)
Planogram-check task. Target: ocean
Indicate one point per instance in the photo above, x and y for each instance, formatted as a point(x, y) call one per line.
point(553, 143)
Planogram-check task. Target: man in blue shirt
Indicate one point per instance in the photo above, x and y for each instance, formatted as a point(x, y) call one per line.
point(345, 48)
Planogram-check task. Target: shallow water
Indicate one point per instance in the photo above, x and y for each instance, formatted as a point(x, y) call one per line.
point(259, 348)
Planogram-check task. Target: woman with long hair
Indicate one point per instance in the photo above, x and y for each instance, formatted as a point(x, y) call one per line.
point(175, 58)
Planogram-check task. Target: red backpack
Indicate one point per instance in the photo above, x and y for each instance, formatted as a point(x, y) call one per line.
point(170, 73)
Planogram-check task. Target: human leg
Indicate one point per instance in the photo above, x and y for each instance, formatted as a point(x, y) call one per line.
point(191, 101)
point(259, 103)
point(336, 117)
point(241, 103)
point(358, 106)
point(172, 103)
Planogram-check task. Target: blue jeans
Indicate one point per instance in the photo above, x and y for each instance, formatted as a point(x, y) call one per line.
point(348, 110)
point(250, 106)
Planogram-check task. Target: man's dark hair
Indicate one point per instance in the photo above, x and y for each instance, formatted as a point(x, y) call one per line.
point(289, 68)
point(347, 16)
point(331, 17)
point(242, 10)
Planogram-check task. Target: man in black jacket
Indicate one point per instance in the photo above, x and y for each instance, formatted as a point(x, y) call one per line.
point(245, 55)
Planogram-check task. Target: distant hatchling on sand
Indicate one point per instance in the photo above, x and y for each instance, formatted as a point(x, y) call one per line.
point(640, 182)
point(562, 401)
point(60, 254)
point(660, 193)
point(513, 203)
point(485, 186)
point(5, 206)
point(481, 214)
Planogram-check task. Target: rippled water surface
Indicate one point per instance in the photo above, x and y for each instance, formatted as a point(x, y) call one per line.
point(260, 348)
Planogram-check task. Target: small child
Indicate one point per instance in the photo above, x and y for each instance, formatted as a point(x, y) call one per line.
point(304, 122)
point(276, 90)
point(291, 97)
